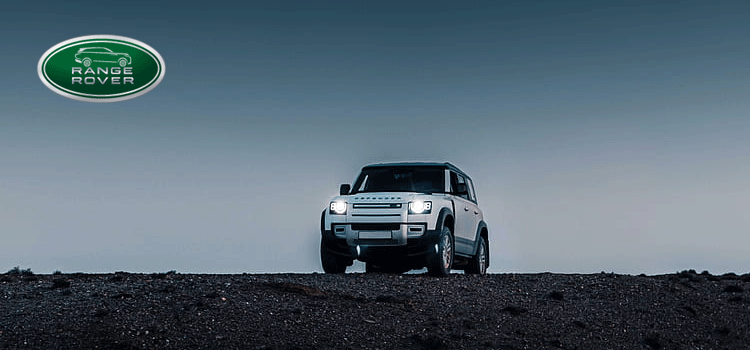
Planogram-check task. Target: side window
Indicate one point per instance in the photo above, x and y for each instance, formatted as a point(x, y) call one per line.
point(454, 183)
point(472, 194)
point(458, 186)
point(463, 188)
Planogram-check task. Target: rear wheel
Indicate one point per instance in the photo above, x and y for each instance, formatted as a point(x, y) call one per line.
point(478, 264)
point(123, 62)
point(440, 262)
point(332, 263)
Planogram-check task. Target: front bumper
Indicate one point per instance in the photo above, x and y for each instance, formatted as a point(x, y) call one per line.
point(404, 243)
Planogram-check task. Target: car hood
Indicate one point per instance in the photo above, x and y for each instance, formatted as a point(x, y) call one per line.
point(384, 197)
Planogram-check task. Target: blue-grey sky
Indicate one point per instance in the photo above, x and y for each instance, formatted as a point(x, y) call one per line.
point(601, 136)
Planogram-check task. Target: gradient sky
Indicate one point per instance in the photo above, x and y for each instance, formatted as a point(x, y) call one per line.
point(601, 136)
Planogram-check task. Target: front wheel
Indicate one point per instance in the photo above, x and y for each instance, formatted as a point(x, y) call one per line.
point(86, 62)
point(440, 262)
point(332, 263)
point(478, 264)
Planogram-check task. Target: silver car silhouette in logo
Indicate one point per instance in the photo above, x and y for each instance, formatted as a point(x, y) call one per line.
point(87, 55)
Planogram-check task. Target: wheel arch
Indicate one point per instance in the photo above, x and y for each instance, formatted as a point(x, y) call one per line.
point(482, 233)
point(446, 219)
point(323, 222)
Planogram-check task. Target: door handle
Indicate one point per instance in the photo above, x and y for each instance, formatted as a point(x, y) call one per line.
point(466, 209)
point(476, 212)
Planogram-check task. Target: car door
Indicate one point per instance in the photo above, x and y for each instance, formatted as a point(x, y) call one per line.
point(466, 220)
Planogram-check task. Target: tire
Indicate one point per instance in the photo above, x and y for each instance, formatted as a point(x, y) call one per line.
point(331, 263)
point(478, 264)
point(86, 62)
point(441, 262)
point(122, 62)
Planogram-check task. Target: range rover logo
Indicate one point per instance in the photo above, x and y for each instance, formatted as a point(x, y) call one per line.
point(101, 68)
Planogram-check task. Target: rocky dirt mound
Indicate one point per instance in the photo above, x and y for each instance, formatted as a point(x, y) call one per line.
point(374, 311)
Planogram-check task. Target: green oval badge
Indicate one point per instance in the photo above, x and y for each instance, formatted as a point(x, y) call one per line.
point(101, 68)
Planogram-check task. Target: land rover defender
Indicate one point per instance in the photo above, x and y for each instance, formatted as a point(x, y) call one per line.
point(403, 216)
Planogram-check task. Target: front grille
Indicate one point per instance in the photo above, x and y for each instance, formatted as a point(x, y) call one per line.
point(376, 227)
point(376, 214)
point(377, 205)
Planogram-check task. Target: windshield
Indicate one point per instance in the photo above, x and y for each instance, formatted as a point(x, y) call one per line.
point(401, 179)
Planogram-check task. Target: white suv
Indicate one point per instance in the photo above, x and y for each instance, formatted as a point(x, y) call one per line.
point(404, 216)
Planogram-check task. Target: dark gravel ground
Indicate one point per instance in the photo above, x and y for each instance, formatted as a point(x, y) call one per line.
point(374, 311)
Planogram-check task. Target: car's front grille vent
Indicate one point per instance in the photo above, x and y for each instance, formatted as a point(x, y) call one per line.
point(377, 205)
point(376, 227)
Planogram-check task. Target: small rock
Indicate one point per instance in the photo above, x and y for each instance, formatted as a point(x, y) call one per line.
point(556, 295)
point(733, 289)
point(59, 283)
point(513, 310)
point(652, 340)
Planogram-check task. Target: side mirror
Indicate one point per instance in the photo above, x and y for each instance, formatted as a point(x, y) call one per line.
point(344, 189)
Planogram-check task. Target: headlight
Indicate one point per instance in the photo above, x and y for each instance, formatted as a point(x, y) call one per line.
point(338, 207)
point(420, 207)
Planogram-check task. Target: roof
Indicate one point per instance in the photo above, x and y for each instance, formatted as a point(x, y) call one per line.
point(445, 165)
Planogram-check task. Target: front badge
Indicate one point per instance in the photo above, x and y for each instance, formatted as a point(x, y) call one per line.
point(101, 68)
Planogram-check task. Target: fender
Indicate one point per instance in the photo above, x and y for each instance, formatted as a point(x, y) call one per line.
point(322, 222)
point(482, 225)
point(445, 212)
